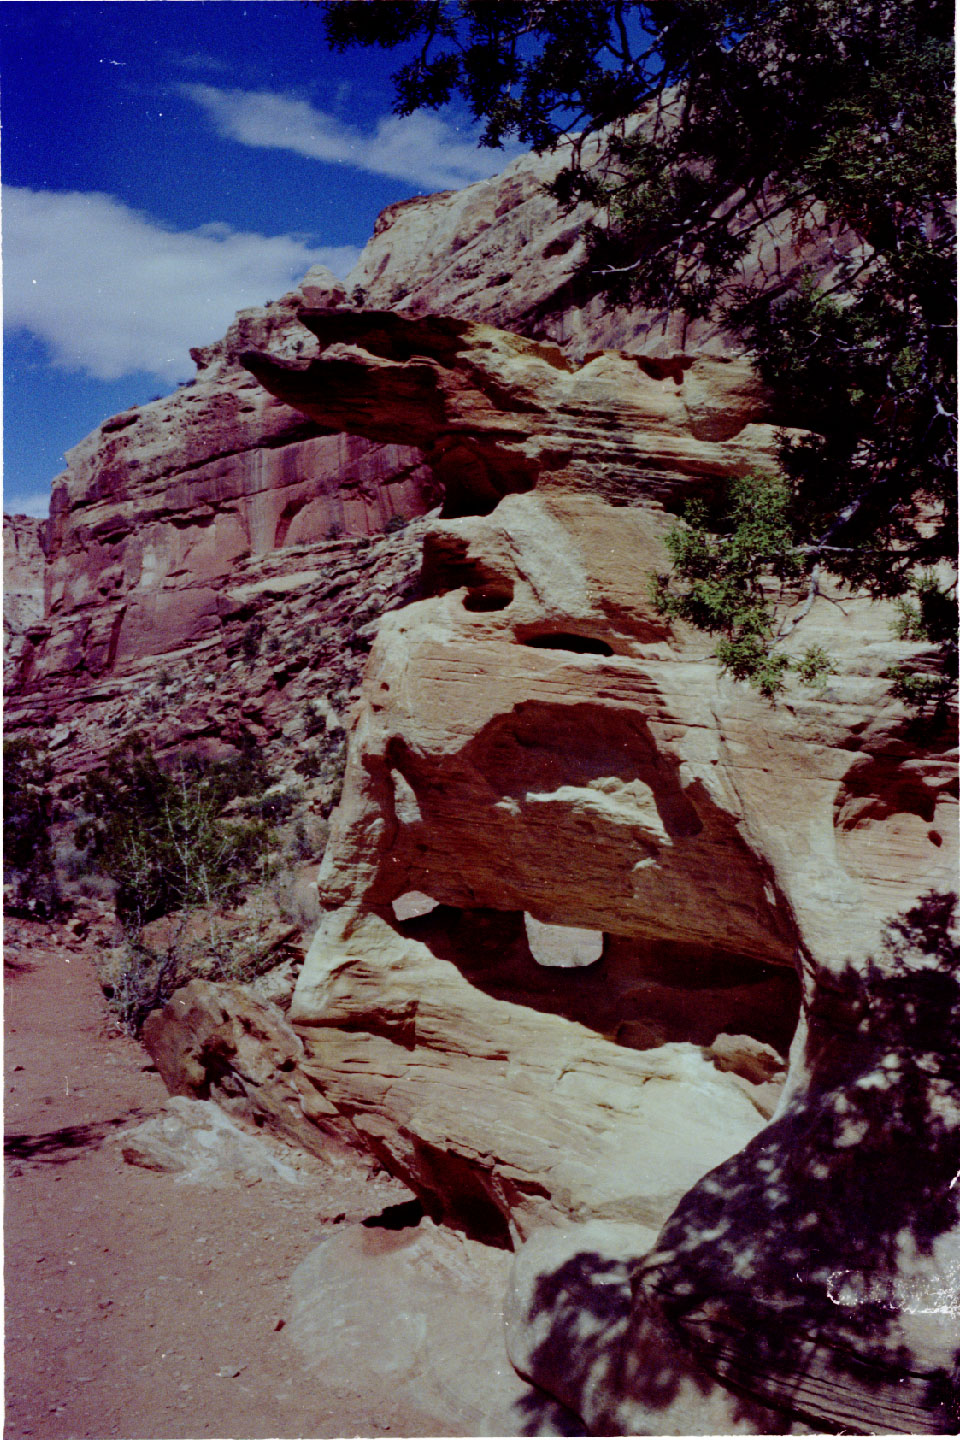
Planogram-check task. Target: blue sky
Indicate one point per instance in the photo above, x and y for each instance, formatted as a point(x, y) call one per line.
point(165, 163)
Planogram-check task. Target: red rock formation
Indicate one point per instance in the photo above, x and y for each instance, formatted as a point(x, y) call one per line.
point(23, 581)
point(536, 749)
point(180, 524)
point(163, 504)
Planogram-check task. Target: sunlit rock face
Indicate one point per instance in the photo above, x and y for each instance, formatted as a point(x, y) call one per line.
point(502, 251)
point(534, 743)
point(204, 550)
point(23, 573)
point(160, 505)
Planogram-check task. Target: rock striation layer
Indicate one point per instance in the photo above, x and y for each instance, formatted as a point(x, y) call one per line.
point(23, 585)
point(537, 756)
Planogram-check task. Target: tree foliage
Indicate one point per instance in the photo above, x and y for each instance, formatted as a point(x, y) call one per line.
point(28, 816)
point(832, 116)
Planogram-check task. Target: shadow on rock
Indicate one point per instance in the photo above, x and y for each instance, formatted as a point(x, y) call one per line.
point(818, 1271)
point(574, 1330)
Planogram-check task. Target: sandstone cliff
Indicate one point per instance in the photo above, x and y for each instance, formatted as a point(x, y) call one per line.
point(584, 890)
point(23, 581)
point(173, 522)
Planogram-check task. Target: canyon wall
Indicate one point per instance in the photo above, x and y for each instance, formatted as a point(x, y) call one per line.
point(171, 518)
point(23, 583)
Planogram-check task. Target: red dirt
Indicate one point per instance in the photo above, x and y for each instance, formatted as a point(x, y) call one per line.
point(138, 1306)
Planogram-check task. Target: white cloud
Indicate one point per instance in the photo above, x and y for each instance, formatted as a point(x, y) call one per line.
point(111, 291)
point(422, 149)
point(37, 505)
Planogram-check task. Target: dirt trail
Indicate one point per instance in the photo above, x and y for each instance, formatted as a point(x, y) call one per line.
point(137, 1305)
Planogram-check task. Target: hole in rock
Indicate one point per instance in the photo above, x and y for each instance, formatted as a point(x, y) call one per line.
point(448, 565)
point(396, 1217)
point(458, 1191)
point(488, 597)
point(413, 904)
point(637, 992)
point(562, 947)
point(576, 644)
point(474, 481)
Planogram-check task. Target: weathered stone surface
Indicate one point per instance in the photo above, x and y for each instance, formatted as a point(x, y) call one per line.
point(820, 1268)
point(495, 413)
point(533, 741)
point(23, 578)
point(199, 1143)
point(220, 1041)
point(630, 793)
point(573, 1327)
point(422, 1309)
point(500, 1116)
point(501, 251)
point(817, 1272)
point(179, 537)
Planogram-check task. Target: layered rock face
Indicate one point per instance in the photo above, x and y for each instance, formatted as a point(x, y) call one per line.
point(168, 514)
point(542, 772)
point(23, 583)
point(186, 540)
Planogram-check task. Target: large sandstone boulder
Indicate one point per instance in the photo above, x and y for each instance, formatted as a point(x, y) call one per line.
point(815, 1275)
point(537, 756)
point(418, 1310)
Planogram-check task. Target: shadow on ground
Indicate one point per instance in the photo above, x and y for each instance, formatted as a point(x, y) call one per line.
point(58, 1147)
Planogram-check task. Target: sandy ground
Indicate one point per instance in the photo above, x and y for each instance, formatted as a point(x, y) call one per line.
point(136, 1304)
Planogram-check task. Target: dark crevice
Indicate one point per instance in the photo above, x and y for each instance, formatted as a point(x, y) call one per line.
point(576, 644)
point(404, 1216)
point(483, 599)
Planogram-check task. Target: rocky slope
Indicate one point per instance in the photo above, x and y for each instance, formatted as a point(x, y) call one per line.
point(583, 893)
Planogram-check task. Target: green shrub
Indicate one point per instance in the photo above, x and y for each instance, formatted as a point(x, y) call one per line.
point(160, 834)
point(28, 815)
point(251, 639)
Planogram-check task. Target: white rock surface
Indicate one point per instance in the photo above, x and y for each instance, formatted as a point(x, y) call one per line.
point(422, 1309)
